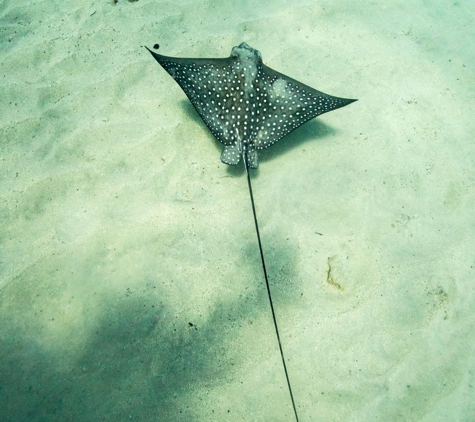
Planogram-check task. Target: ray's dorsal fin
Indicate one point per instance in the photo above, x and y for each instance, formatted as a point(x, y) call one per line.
point(244, 102)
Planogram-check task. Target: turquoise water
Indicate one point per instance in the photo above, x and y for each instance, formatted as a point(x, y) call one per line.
point(131, 285)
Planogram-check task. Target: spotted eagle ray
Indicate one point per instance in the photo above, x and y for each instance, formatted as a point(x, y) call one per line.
point(248, 106)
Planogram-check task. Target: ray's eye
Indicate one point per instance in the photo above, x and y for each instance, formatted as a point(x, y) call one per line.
point(156, 46)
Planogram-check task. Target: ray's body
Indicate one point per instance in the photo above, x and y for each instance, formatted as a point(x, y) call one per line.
point(246, 105)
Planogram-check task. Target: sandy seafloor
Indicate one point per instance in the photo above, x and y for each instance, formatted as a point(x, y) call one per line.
point(119, 225)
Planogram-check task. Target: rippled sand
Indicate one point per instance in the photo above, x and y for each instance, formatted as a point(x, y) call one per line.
point(130, 279)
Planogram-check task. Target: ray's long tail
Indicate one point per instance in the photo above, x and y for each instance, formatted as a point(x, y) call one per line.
point(267, 285)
